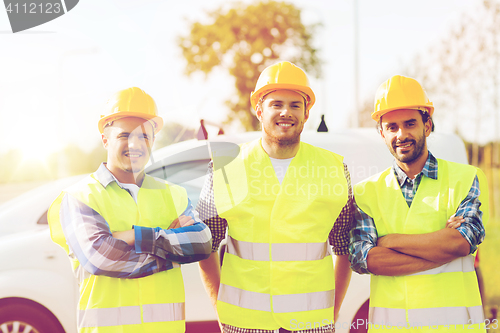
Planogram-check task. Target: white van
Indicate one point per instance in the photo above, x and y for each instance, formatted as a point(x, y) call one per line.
point(38, 292)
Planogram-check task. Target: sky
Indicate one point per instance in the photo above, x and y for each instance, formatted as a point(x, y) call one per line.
point(55, 78)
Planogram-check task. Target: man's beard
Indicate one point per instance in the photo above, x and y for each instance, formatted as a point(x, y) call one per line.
point(417, 151)
point(286, 141)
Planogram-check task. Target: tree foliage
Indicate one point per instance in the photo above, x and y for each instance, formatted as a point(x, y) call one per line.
point(245, 39)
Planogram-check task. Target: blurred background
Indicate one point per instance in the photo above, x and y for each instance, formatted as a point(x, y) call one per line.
point(201, 59)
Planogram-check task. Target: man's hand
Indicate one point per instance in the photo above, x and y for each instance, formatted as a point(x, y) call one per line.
point(128, 236)
point(455, 221)
point(182, 221)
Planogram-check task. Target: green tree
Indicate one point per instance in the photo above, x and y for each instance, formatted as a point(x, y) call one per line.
point(245, 39)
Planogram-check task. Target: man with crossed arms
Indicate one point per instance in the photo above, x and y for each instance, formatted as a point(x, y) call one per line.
point(418, 224)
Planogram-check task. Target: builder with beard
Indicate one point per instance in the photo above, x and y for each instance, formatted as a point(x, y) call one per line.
point(419, 223)
point(283, 202)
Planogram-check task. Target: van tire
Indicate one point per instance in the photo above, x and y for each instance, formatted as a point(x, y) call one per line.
point(16, 314)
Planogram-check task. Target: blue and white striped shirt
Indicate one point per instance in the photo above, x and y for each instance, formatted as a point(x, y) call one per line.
point(364, 235)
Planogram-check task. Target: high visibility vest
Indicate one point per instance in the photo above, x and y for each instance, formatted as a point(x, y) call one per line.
point(278, 269)
point(153, 303)
point(445, 298)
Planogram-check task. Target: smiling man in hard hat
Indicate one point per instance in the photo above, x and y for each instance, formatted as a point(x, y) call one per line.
point(129, 279)
point(418, 224)
point(283, 202)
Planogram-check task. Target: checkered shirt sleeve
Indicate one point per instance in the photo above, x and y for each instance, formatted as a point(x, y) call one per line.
point(89, 238)
point(363, 239)
point(338, 237)
point(182, 245)
point(208, 212)
point(472, 229)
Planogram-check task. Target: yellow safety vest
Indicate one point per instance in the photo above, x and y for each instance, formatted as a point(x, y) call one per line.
point(445, 298)
point(278, 269)
point(153, 303)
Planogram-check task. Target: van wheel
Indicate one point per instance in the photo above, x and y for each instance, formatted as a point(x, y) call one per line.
point(20, 315)
point(360, 320)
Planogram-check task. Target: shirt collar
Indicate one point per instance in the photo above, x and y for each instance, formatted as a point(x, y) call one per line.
point(430, 170)
point(104, 176)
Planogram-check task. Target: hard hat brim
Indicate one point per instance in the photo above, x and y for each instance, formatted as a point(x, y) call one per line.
point(156, 120)
point(256, 95)
point(377, 114)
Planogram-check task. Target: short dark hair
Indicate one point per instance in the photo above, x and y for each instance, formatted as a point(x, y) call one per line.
point(425, 117)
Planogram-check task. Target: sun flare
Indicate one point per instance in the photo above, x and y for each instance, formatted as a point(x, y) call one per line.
point(37, 149)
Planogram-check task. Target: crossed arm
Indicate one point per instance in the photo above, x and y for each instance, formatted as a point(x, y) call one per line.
point(398, 254)
point(128, 236)
point(100, 253)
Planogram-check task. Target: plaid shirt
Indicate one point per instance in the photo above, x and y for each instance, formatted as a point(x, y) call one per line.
point(89, 239)
point(364, 235)
point(338, 237)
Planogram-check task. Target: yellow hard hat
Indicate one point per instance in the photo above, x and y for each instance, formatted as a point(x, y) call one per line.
point(400, 92)
point(131, 102)
point(283, 75)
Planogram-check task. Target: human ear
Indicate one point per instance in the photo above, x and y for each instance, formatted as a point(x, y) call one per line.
point(428, 127)
point(379, 128)
point(104, 140)
point(258, 112)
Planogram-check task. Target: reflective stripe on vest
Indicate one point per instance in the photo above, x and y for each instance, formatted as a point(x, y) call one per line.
point(163, 312)
point(279, 251)
point(304, 302)
point(130, 315)
point(427, 316)
point(463, 264)
point(281, 303)
point(125, 315)
point(244, 298)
